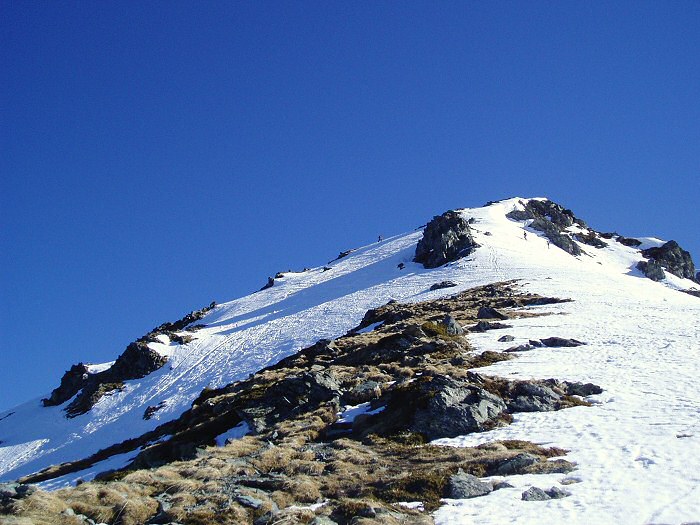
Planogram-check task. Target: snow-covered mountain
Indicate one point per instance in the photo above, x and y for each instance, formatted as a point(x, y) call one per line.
point(636, 448)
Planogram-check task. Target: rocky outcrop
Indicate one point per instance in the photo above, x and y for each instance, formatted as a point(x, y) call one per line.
point(446, 238)
point(673, 258)
point(552, 220)
point(137, 361)
point(71, 383)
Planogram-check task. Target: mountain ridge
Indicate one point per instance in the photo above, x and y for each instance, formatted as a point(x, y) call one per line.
point(370, 275)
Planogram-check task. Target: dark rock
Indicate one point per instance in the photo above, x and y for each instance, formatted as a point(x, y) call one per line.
point(71, 383)
point(652, 270)
point(557, 493)
point(401, 266)
point(520, 348)
point(673, 258)
point(535, 344)
point(558, 342)
point(270, 283)
point(443, 284)
point(551, 219)
point(483, 326)
point(581, 389)
point(628, 241)
point(452, 326)
point(454, 408)
point(446, 238)
point(530, 397)
point(535, 494)
point(486, 312)
point(591, 239)
point(515, 465)
point(498, 485)
point(695, 293)
point(506, 338)
point(465, 486)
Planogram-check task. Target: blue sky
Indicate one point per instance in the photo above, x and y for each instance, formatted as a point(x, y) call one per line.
point(157, 156)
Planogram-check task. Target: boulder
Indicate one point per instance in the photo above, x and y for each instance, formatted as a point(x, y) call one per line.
point(628, 241)
point(516, 464)
point(453, 408)
point(652, 270)
point(446, 238)
point(451, 325)
point(530, 397)
point(535, 494)
point(443, 284)
point(673, 258)
point(520, 348)
point(506, 338)
point(581, 389)
point(483, 326)
point(558, 342)
point(465, 486)
point(486, 312)
point(557, 493)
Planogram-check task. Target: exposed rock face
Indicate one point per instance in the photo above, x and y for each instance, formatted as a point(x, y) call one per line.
point(445, 239)
point(652, 270)
point(673, 258)
point(552, 219)
point(71, 383)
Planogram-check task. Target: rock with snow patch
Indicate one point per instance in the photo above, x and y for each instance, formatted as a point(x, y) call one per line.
point(446, 238)
point(557, 493)
point(506, 338)
point(465, 486)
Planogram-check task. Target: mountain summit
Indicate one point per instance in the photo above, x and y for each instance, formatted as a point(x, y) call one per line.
point(502, 357)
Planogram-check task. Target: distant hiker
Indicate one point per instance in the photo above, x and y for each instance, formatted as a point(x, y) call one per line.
point(379, 239)
point(548, 243)
point(525, 235)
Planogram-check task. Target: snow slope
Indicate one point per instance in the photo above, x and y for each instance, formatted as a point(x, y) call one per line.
point(638, 448)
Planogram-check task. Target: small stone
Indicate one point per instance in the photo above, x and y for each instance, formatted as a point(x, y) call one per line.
point(506, 338)
point(535, 494)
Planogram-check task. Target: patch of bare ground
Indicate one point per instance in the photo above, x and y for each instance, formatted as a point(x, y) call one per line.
point(413, 372)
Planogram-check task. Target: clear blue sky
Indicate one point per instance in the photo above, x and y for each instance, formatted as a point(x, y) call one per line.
point(156, 156)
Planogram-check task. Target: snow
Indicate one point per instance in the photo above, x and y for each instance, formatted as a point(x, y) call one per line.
point(637, 448)
point(350, 412)
point(236, 432)
point(370, 328)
